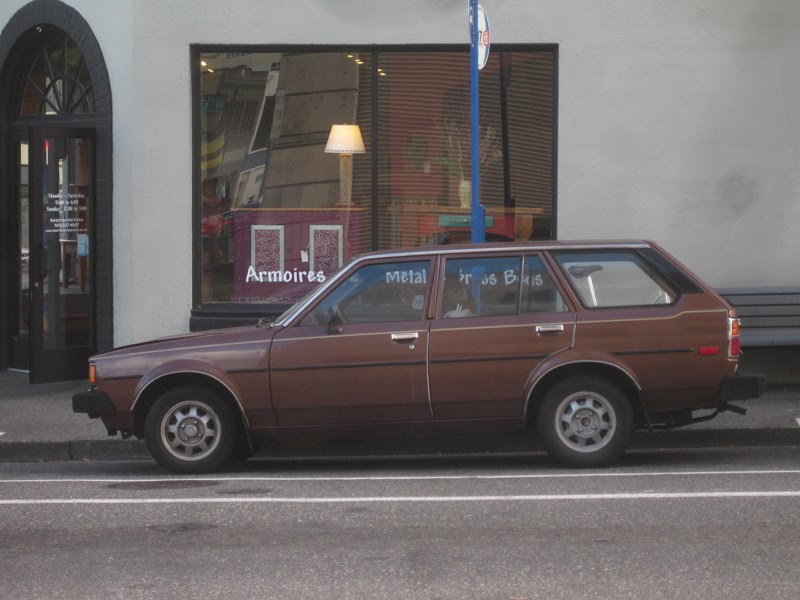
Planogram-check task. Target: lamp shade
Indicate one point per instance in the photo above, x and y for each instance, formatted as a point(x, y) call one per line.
point(345, 139)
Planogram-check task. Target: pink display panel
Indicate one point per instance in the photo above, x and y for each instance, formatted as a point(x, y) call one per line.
point(280, 255)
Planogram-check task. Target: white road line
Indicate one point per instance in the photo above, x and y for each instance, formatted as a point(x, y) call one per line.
point(2, 432)
point(399, 499)
point(593, 475)
point(798, 420)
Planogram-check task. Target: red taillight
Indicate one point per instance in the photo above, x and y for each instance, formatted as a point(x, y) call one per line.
point(92, 374)
point(734, 350)
point(708, 350)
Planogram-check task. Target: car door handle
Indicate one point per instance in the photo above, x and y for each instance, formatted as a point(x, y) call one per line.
point(407, 336)
point(556, 328)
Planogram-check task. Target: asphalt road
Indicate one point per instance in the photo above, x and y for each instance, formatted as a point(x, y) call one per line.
point(704, 523)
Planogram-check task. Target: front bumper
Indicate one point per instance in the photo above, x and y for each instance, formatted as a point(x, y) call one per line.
point(93, 403)
point(742, 387)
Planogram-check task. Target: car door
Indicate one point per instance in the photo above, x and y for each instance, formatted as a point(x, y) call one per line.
point(497, 318)
point(367, 364)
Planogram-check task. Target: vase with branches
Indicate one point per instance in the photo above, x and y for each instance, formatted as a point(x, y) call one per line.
point(456, 142)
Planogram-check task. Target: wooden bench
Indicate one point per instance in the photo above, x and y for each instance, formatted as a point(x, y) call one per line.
point(770, 316)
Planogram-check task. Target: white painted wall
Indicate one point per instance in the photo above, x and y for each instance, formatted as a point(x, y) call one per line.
point(678, 121)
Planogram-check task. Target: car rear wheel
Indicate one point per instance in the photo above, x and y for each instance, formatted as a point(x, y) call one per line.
point(585, 421)
point(190, 430)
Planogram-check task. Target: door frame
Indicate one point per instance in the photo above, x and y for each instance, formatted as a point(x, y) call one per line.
point(9, 249)
point(42, 367)
point(19, 38)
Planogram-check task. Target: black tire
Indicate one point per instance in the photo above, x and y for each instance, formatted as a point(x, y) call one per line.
point(585, 421)
point(198, 427)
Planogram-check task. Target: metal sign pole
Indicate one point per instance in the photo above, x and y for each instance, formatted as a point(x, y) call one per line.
point(478, 219)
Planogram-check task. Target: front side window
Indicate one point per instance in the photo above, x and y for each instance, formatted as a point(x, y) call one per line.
point(381, 293)
point(614, 278)
point(274, 196)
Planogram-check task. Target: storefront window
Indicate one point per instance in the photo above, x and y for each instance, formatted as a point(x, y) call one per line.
point(425, 188)
point(278, 213)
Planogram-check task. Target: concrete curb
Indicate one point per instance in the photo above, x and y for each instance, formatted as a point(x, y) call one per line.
point(119, 450)
point(72, 450)
point(715, 438)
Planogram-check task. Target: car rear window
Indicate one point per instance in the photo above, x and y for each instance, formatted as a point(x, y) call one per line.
point(612, 278)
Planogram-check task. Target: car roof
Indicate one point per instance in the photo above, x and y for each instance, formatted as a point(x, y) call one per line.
point(508, 247)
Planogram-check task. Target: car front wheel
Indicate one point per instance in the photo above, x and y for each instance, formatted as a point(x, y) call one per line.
point(585, 421)
point(190, 430)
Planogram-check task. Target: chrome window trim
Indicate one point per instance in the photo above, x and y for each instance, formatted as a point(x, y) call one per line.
point(287, 321)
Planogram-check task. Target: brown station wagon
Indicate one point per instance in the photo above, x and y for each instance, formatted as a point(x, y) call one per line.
point(583, 341)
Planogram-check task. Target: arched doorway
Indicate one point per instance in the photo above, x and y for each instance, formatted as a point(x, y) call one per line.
point(57, 256)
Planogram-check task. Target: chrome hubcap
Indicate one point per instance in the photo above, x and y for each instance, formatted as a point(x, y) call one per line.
point(190, 431)
point(585, 422)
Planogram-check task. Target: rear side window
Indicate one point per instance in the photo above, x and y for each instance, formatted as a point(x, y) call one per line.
point(614, 278)
point(539, 293)
point(481, 287)
point(505, 285)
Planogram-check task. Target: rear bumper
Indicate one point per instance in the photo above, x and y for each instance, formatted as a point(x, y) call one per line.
point(742, 387)
point(93, 403)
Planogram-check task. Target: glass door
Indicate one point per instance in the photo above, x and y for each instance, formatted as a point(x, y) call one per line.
point(61, 274)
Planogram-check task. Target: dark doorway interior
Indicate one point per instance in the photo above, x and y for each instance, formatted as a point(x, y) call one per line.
point(61, 298)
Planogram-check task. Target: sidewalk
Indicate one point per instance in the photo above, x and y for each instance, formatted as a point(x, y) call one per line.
point(37, 424)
